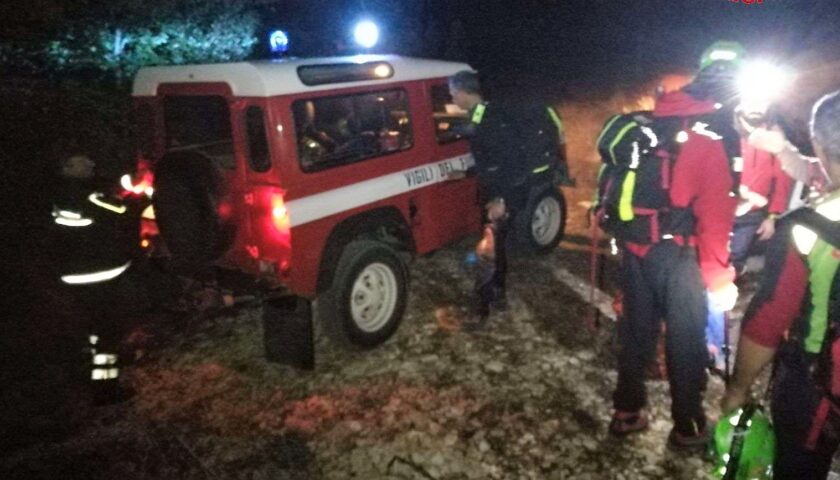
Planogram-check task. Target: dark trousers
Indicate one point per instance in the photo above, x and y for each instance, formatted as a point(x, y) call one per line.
point(743, 237)
point(666, 284)
point(794, 403)
point(110, 309)
point(490, 281)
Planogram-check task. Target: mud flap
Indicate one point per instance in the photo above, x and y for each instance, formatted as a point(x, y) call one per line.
point(287, 332)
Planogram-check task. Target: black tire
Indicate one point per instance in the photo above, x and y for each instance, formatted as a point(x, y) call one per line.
point(372, 325)
point(541, 226)
point(186, 188)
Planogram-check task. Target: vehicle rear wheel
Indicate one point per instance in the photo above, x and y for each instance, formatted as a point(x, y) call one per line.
point(542, 224)
point(367, 299)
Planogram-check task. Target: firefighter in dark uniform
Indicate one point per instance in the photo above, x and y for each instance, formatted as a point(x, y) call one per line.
point(93, 241)
point(515, 147)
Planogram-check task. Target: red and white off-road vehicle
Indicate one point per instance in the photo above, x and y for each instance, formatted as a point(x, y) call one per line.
point(320, 176)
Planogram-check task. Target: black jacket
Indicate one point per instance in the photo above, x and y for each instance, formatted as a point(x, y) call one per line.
point(109, 241)
point(510, 141)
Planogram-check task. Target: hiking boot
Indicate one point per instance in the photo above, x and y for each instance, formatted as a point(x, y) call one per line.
point(474, 324)
point(625, 423)
point(683, 443)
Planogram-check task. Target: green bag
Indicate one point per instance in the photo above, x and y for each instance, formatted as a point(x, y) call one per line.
point(744, 445)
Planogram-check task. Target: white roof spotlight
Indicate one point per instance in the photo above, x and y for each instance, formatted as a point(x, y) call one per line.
point(366, 33)
point(760, 83)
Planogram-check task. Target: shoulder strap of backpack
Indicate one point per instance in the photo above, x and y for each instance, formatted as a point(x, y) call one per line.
point(721, 123)
point(825, 229)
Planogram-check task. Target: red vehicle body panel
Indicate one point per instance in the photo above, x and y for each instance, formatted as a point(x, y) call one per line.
point(265, 205)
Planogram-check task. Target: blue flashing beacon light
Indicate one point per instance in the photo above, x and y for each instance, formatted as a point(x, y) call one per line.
point(278, 42)
point(366, 33)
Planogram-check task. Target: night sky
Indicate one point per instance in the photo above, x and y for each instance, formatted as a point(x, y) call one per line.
point(560, 39)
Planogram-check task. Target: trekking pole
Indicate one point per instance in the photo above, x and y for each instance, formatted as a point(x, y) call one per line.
point(596, 275)
point(726, 348)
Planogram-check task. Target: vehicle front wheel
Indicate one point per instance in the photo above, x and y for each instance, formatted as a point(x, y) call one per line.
point(367, 299)
point(541, 226)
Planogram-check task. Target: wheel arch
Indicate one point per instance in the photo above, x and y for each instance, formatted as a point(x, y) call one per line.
point(385, 224)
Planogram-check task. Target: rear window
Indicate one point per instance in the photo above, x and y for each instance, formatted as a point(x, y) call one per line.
point(200, 123)
point(258, 156)
point(333, 131)
point(450, 121)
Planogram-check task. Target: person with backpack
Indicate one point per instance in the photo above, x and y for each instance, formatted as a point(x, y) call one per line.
point(515, 146)
point(794, 319)
point(666, 193)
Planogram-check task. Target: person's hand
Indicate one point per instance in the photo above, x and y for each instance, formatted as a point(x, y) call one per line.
point(723, 299)
point(770, 140)
point(495, 210)
point(766, 229)
point(734, 398)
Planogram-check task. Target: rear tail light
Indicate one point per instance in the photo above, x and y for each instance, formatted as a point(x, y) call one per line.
point(279, 212)
point(271, 232)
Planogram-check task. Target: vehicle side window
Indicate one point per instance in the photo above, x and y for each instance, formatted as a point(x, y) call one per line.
point(258, 156)
point(333, 131)
point(200, 123)
point(450, 121)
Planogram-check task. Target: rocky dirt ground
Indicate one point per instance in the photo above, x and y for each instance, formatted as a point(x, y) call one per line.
point(529, 398)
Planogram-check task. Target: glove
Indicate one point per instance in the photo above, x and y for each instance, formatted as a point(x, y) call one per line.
point(772, 140)
point(723, 299)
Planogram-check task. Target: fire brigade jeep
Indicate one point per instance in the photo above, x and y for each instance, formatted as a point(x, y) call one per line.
point(319, 176)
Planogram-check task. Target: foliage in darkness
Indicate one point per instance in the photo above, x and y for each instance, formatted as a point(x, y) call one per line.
point(128, 35)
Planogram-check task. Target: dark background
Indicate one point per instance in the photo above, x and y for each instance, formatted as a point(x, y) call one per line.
point(560, 41)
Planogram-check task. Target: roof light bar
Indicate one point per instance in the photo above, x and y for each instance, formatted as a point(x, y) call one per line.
point(344, 72)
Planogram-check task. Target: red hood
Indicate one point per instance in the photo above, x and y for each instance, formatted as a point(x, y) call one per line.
point(681, 104)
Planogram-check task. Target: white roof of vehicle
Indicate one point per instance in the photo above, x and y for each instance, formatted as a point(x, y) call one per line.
point(279, 77)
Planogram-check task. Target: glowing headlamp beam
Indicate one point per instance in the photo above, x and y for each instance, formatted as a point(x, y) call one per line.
point(761, 83)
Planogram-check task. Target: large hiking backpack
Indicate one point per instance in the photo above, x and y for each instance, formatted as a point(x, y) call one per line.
point(638, 152)
point(818, 336)
point(827, 373)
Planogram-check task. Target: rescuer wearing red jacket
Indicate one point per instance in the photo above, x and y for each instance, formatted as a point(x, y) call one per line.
point(764, 192)
point(669, 278)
